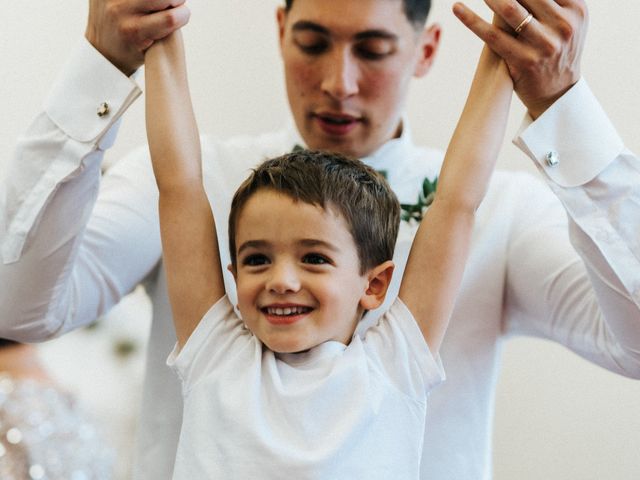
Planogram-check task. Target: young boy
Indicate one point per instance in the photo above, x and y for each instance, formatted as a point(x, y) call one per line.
point(287, 389)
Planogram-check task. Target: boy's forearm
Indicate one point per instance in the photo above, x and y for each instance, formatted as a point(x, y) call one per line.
point(171, 127)
point(187, 227)
point(478, 136)
point(436, 263)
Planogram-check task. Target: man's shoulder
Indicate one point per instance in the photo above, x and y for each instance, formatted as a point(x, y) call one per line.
point(227, 162)
point(261, 146)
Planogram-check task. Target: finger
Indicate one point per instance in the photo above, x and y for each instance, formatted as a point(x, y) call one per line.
point(149, 6)
point(504, 44)
point(509, 10)
point(158, 25)
point(543, 10)
point(560, 16)
point(517, 17)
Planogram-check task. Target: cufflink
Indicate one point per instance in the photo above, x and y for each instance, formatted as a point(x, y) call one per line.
point(552, 158)
point(103, 109)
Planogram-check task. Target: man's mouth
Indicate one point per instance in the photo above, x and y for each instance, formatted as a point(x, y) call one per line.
point(335, 123)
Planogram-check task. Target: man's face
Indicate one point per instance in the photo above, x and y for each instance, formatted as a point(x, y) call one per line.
point(347, 65)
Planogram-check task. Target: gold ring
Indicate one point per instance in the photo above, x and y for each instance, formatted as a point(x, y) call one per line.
point(524, 23)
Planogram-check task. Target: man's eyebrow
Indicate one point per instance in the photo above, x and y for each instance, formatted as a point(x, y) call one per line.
point(307, 25)
point(376, 33)
point(302, 25)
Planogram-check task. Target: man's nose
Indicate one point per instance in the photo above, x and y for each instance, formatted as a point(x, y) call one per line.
point(284, 279)
point(341, 75)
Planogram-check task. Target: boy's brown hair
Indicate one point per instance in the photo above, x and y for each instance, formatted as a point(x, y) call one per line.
point(329, 180)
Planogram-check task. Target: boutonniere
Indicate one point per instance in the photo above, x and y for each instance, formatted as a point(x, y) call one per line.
point(415, 211)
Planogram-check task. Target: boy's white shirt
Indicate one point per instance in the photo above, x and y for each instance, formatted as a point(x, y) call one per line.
point(521, 227)
point(335, 411)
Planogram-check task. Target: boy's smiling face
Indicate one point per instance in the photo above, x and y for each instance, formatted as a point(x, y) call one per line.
point(297, 274)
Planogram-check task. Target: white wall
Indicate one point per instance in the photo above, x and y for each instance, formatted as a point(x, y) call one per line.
point(558, 417)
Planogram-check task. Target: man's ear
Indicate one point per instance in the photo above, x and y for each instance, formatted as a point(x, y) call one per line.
point(379, 278)
point(281, 17)
point(428, 47)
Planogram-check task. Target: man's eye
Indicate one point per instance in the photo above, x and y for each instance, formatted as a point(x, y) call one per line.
point(374, 49)
point(255, 260)
point(310, 43)
point(315, 259)
point(313, 48)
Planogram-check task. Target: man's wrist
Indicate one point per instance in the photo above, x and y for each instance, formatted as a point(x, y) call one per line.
point(536, 108)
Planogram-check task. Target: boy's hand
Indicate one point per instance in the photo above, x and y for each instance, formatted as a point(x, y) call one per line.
point(544, 57)
point(122, 30)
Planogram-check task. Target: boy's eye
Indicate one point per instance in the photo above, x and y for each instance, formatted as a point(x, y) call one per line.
point(255, 260)
point(315, 259)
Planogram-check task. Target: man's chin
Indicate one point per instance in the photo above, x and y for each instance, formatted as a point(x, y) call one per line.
point(343, 145)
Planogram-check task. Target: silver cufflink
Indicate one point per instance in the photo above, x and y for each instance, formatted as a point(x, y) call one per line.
point(103, 109)
point(552, 158)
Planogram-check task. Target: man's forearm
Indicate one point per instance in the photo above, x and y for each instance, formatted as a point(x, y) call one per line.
point(595, 312)
point(49, 192)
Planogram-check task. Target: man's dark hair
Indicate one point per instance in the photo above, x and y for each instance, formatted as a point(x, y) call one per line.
point(348, 186)
point(415, 10)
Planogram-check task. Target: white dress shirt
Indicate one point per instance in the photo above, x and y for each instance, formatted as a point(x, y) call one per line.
point(74, 244)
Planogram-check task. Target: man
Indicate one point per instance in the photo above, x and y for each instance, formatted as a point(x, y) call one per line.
point(348, 64)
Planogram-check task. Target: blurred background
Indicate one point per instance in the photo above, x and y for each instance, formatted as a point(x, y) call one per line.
point(557, 417)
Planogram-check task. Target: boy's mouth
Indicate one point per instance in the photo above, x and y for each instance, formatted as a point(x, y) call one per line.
point(285, 315)
point(286, 311)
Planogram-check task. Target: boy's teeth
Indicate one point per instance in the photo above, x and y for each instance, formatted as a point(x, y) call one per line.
point(285, 310)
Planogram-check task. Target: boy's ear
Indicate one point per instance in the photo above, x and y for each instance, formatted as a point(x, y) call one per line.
point(233, 271)
point(379, 279)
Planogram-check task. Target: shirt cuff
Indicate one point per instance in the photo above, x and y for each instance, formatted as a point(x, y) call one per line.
point(89, 96)
point(572, 141)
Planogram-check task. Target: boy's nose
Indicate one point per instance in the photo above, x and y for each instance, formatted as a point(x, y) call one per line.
point(284, 279)
point(341, 77)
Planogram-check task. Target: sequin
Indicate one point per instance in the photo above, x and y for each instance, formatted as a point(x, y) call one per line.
point(14, 436)
point(44, 435)
point(36, 472)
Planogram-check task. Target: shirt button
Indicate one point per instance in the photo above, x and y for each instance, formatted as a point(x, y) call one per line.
point(103, 109)
point(552, 158)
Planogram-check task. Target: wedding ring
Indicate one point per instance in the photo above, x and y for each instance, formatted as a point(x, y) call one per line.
point(524, 23)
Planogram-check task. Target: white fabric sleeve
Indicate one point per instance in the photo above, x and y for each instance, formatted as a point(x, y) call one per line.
point(219, 333)
point(400, 350)
point(589, 303)
point(51, 273)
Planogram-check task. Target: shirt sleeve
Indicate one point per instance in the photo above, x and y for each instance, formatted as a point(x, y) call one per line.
point(219, 334)
point(398, 347)
point(53, 265)
point(589, 302)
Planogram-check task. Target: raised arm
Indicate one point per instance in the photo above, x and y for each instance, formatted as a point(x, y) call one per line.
point(439, 252)
point(189, 241)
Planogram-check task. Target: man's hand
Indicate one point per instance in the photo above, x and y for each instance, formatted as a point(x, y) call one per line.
point(544, 56)
point(122, 30)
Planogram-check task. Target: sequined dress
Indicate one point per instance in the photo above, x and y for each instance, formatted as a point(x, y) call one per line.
point(45, 436)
